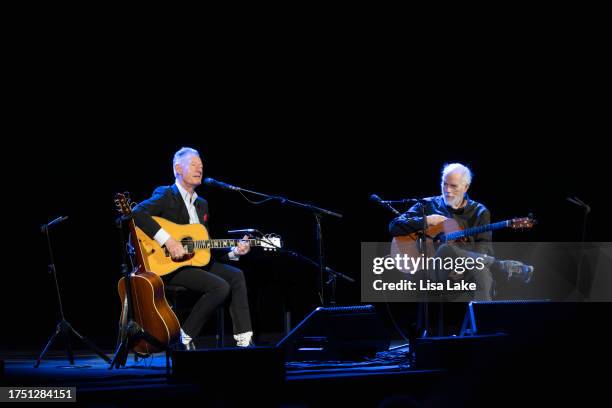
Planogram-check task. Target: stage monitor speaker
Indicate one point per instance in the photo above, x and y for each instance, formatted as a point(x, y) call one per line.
point(336, 333)
point(518, 317)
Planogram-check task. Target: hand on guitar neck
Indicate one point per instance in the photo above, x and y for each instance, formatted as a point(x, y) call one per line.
point(243, 247)
point(177, 250)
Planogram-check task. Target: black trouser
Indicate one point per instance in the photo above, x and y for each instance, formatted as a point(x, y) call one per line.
point(215, 284)
point(482, 277)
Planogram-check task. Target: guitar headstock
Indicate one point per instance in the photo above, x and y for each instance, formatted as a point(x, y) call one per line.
point(271, 242)
point(123, 203)
point(523, 223)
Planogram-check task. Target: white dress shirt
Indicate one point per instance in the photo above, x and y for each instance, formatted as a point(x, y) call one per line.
point(189, 199)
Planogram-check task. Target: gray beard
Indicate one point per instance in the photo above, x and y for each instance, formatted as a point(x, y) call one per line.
point(454, 202)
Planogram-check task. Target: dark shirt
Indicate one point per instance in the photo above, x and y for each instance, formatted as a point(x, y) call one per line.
point(473, 214)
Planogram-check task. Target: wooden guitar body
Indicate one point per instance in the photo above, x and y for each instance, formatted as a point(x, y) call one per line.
point(150, 310)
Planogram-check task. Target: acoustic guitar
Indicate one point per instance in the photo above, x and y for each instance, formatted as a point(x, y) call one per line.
point(197, 245)
point(450, 231)
point(150, 310)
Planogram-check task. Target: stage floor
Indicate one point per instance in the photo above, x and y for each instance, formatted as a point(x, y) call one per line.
point(471, 371)
point(146, 379)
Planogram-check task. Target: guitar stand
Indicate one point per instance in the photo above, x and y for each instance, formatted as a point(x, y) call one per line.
point(129, 335)
point(130, 332)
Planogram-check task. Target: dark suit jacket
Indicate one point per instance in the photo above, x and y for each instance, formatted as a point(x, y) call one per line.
point(167, 203)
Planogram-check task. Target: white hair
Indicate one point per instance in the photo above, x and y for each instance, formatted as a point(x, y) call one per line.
point(466, 173)
point(181, 154)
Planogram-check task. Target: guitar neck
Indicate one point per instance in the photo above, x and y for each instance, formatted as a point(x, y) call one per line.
point(475, 230)
point(224, 243)
point(140, 264)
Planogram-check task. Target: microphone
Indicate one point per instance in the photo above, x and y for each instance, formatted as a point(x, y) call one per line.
point(579, 203)
point(55, 221)
point(244, 231)
point(402, 201)
point(212, 182)
point(378, 200)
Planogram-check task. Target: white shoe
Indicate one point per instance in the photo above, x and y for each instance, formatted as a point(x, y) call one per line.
point(516, 269)
point(185, 338)
point(243, 339)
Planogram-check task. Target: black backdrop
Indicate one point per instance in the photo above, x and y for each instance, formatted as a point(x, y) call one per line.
point(71, 163)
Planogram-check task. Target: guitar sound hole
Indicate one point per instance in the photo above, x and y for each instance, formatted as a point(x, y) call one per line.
point(188, 245)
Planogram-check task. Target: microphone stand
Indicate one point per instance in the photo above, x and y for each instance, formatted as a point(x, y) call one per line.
point(317, 212)
point(423, 312)
point(423, 251)
point(63, 327)
point(261, 236)
point(579, 273)
point(423, 320)
point(332, 273)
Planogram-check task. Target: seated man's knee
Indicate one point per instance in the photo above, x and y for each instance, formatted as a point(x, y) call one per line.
point(237, 276)
point(222, 289)
point(445, 251)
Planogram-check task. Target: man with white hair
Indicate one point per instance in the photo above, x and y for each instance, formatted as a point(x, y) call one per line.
point(454, 203)
point(180, 204)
